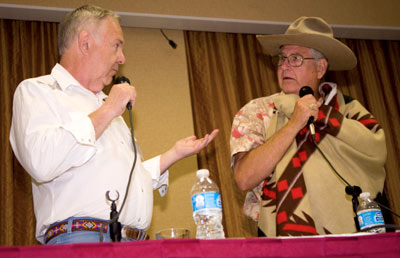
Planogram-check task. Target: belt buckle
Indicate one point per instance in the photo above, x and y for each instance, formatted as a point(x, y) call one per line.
point(129, 232)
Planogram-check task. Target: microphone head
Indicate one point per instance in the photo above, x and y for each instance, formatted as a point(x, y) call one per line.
point(172, 44)
point(353, 190)
point(349, 190)
point(305, 90)
point(122, 79)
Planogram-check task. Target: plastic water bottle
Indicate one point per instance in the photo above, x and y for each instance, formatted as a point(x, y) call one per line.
point(369, 215)
point(207, 208)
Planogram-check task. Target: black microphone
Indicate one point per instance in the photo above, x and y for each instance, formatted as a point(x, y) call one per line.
point(123, 79)
point(170, 42)
point(305, 90)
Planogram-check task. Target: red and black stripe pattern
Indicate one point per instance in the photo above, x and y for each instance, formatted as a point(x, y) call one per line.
point(289, 190)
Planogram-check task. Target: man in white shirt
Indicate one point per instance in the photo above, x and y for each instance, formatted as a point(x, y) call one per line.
point(70, 137)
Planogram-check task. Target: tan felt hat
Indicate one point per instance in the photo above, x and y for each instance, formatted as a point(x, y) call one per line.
point(312, 32)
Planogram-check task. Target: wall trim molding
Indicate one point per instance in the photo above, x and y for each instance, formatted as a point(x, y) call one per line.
point(176, 22)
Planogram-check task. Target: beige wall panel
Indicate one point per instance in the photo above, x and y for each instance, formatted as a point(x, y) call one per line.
point(354, 12)
point(162, 115)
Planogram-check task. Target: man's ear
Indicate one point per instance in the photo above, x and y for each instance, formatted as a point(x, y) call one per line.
point(322, 66)
point(83, 42)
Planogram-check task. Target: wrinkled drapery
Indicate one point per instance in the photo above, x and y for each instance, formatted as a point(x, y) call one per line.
point(28, 49)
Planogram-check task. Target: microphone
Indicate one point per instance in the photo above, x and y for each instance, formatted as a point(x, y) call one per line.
point(170, 42)
point(123, 79)
point(305, 90)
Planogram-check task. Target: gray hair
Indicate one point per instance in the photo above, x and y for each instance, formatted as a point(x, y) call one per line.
point(73, 22)
point(317, 55)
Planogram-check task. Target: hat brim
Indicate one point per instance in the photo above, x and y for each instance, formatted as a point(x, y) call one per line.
point(340, 57)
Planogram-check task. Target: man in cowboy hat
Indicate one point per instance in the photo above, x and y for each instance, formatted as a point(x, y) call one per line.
point(272, 148)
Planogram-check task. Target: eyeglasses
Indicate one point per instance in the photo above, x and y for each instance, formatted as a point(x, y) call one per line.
point(294, 60)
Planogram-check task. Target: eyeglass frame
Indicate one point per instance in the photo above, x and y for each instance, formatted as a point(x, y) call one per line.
point(282, 58)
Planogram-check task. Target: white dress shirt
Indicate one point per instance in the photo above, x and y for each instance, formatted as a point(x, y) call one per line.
point(54, 140)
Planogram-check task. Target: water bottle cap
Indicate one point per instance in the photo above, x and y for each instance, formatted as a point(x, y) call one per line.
point(365, 195)
point(202, 173)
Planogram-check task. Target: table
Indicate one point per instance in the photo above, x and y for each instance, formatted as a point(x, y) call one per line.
point(357, 245)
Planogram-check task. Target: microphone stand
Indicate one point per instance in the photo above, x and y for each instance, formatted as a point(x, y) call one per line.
point(115, 225)
point(355, 192)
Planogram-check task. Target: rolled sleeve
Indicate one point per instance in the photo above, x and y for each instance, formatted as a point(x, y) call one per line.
point(81, 127)
point(160, 181)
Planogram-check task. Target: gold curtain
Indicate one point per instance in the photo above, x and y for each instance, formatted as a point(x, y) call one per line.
point(228, 70)
point(28, 49)
point(225, 72)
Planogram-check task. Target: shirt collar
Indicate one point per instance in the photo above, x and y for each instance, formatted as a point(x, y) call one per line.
point(65, 79)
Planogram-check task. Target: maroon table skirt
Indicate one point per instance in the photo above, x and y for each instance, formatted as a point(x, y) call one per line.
point(374, 245)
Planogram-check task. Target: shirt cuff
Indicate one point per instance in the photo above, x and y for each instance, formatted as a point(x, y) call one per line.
point(160, 181)
point(81, 128)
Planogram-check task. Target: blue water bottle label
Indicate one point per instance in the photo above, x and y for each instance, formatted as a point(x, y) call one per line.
point(370, 218)
point(209, 200)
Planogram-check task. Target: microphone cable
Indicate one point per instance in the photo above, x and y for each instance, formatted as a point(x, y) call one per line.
point(131, 172)
point(329, 163)
point(354, 191)
point(114, 219)
point(170, 42)
point(348, 191)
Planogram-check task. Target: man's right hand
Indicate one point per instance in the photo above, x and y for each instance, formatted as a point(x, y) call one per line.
point(113, 107)
point(302, 111)
point(119, 97)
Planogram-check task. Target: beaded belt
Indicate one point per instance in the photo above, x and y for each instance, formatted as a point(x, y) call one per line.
point(91, 225)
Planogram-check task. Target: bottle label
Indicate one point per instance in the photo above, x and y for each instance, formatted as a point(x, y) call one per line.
point(209, 200)
point(370, 218)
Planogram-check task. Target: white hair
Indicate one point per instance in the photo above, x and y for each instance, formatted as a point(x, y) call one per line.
point(81, 16)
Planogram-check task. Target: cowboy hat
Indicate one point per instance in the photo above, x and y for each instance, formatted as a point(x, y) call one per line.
point(312, 32)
